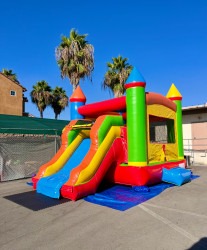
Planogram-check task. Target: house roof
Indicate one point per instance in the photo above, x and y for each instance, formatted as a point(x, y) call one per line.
point(12, 124)
point(202, 108)
point(23, 88)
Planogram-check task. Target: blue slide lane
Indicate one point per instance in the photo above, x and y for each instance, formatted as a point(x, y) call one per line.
point(51, 185)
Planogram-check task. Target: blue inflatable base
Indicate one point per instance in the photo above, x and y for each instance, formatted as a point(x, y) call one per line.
point(30, 183)
point(124, 197)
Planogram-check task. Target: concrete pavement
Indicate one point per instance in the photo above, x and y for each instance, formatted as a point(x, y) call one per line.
point(174, 220)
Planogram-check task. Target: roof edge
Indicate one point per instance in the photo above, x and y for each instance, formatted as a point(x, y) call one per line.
point(24, 89)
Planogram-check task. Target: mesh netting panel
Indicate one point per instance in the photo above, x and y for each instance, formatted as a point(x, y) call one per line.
point(158, 133)
point(22, 155)
point(161, 133)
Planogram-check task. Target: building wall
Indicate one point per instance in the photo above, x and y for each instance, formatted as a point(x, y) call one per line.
point(190, 118)
point(199, 136)
point(195, 137)
point(187, 136)
point(11, 105)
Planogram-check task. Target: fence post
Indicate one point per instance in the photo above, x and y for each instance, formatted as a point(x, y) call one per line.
point(55, 141)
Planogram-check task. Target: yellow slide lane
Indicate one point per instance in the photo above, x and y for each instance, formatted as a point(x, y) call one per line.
point(87, 173)
point(55, 167)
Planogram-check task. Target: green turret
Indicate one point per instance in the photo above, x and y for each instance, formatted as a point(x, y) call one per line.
point(136, 119)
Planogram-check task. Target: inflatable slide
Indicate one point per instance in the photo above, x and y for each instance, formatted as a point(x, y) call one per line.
point(83, 164)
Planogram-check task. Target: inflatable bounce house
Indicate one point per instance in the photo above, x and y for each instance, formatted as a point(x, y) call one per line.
point(127, 140)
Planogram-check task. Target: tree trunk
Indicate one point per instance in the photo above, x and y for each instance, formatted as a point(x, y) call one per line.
point(117, 94)
point(41, 114)
point(75, 84)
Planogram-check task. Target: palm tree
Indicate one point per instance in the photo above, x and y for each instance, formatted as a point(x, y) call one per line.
point(116, 75)
point(59, 100)
point(75, 58)
point(41, 96)
point(8, 73)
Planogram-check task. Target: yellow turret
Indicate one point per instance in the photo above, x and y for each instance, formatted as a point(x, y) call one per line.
point(173, 93)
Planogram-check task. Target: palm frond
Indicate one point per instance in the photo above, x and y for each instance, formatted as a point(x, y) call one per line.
point(75, 57)
point(117, 72)
point(41, 95)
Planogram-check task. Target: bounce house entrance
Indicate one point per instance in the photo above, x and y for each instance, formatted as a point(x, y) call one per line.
point(162, 137)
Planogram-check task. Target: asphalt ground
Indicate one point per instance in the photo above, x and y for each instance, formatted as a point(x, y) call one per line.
point(174, 220)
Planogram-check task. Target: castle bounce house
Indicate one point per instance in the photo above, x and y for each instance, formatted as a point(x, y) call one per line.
point(127, 140)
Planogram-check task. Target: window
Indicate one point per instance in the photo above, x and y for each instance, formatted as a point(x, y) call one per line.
point(161, 130)
point(13, 92)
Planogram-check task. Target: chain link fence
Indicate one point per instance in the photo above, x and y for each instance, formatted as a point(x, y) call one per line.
point(21, 155)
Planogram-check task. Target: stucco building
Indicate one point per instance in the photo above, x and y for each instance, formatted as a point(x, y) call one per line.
point(12, 100)
point(195, 133)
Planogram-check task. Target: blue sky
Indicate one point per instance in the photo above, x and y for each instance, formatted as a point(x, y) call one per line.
point(165, 40)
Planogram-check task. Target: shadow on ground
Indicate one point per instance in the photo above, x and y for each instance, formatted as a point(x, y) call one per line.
point(200, 245)
point(34, 201)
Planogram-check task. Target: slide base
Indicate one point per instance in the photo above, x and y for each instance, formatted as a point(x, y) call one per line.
point(140, 176)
